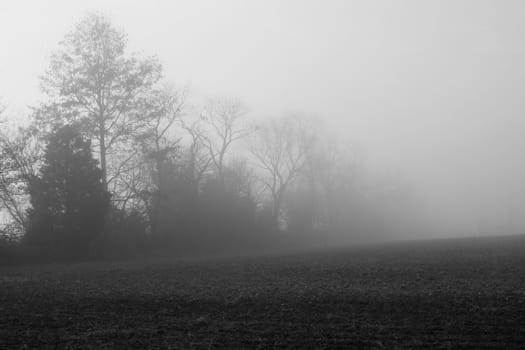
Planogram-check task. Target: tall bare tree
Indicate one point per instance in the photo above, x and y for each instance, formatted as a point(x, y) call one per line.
point(158, 145)
point(197, 159)
point(281, 147)
point(164, 109)
point(93, 83)
point(224, 124)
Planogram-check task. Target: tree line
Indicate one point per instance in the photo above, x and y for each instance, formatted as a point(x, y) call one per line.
point(114, 161)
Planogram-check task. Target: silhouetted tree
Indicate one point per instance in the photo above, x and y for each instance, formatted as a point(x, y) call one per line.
point(93, 84)
point(195, 156)
point(224, 125)
point(69, 200)
point(281, 147)
point(158, 147)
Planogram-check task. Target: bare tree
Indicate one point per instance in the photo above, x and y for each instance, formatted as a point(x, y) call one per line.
point(20, 153)
point(281, 147)
point(197, 159)
point(225, 124)
point(331, 173)
point(158, 145)
point(94, 84)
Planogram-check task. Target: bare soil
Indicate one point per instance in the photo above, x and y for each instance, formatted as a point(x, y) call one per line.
point(447, 294)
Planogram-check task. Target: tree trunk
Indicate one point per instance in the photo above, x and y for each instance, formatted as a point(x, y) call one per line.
point(276, 210)
point(102, 141)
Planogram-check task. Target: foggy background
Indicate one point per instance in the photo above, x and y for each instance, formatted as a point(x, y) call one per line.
point(429, 94)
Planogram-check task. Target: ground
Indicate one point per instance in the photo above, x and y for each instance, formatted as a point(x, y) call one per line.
point(446, 294)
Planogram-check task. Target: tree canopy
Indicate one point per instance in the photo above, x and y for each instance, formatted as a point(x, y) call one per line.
point(94, 84)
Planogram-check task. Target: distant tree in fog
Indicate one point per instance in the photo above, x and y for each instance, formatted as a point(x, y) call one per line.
point(94, 84)
point(163, 110)
point(224, 124)
point(281, 148)
point(332, 175)
point(158, 148)
point(69, 200)
point(196, 157)
point(228, 203)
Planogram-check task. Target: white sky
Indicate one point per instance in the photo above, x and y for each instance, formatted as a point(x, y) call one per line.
point(432, 89)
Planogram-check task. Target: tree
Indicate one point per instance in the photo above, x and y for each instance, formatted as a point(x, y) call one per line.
point(332, 171)
point(164, 108)
point(223, 119)
point(157, 147)
point(195, 157)
point(228, 208)
point(20, 155)
point(69, 200)
point(93, 84)
point(281, 147)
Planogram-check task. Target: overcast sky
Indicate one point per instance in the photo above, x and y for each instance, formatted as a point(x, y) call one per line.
point(433, 90)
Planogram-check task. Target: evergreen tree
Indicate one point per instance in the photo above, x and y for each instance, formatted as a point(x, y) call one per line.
point(69, 200)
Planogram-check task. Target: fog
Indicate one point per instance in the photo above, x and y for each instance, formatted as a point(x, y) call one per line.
point(428, 94)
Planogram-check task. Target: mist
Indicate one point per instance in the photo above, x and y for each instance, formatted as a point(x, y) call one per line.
point(426, 96)
point(306, 174)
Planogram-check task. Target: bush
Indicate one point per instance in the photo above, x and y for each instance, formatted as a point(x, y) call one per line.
point(126, 237)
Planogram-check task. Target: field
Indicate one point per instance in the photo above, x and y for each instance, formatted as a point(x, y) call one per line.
point(445, 294)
